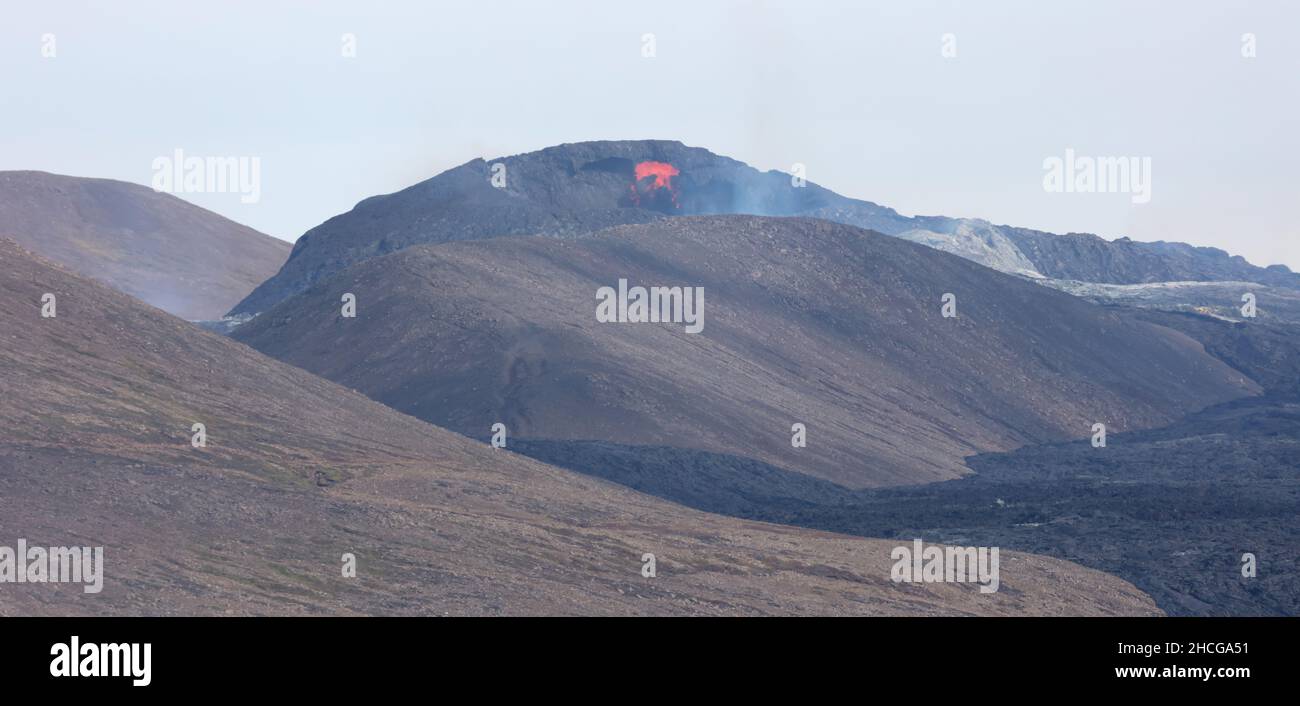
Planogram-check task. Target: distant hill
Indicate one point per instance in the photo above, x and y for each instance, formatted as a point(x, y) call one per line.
point(172, 254)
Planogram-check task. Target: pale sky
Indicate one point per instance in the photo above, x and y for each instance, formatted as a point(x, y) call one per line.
point(859, 92)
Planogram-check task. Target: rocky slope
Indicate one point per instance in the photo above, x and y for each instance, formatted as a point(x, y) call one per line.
point(96, 409)
point(978, 241)
point(806, 321)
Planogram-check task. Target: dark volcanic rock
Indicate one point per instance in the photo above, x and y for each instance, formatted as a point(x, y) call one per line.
point(1170, 509)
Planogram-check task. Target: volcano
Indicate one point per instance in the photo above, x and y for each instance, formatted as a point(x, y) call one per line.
point(580, 188)
point(562, 191)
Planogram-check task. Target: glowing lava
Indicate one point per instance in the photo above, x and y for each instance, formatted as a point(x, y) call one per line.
point(663, 174)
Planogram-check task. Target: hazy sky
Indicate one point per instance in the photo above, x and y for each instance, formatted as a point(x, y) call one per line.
point(857, 91)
